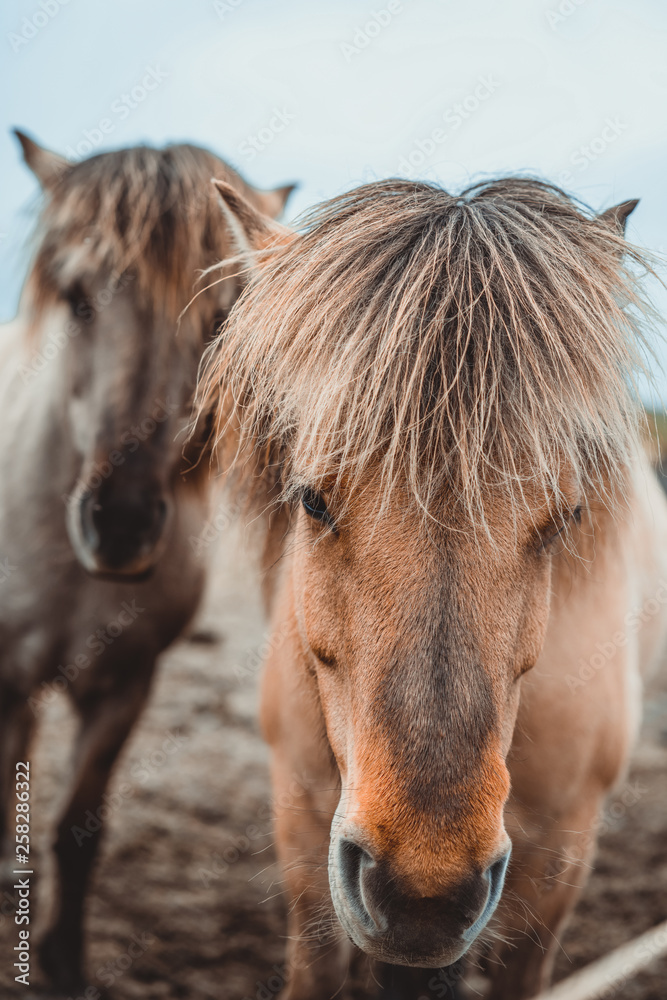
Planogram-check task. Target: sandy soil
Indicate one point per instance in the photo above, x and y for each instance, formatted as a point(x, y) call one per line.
point(188, 865)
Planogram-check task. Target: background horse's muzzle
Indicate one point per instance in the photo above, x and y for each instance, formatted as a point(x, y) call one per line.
point(118, 529)
point(390, 923)
point(121, 531)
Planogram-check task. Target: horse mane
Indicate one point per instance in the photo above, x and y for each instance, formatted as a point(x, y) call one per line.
point(151, 211)
point(462, 347)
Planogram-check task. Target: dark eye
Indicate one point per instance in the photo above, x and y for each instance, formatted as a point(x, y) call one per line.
point(218, 320)
point(79, 302)
point(315, 506)
point(550, 536)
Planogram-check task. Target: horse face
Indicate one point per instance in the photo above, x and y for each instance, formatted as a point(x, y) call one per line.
point(418, 641)
point(128, 356)
point(129, 400)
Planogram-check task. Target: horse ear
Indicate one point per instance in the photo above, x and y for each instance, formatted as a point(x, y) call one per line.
point(617, 217)
point(250, 229)
point(274, 201)
point(47, 167)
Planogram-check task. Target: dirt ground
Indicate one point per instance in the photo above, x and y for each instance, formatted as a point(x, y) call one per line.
point(188, 867)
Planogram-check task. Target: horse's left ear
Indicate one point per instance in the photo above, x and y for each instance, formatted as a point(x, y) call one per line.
point(616, 218)
point(47, 167)
point(250, 230)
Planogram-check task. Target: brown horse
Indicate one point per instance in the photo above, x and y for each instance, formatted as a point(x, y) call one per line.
point(98, 503)
point(433, 397)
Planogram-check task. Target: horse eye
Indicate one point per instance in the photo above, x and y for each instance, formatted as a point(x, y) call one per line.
point(548, 539)
point(315, 506)
point(218, 320)
point(79, 302)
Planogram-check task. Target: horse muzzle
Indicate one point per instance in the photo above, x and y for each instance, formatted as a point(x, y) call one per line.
point(119, 535)
point(390, 923)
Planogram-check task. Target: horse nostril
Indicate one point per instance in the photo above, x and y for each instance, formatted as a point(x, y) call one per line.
point(353, 863)
point(495, 877)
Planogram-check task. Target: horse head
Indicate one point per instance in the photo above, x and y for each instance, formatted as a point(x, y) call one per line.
point(123, 236)
point(438, 385)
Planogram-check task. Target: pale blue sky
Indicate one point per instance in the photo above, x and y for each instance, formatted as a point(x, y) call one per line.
point(335, 92)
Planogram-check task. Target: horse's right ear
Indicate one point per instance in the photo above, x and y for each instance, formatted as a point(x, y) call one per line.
point(47, 167)
point(249, 229)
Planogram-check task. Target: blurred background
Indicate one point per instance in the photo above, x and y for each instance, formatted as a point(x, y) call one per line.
point(332, 94)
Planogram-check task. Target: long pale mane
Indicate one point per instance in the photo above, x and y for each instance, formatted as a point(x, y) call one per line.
point(150, 210)
point(455, 345)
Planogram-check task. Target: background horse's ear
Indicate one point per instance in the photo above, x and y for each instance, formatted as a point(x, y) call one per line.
point(47, 167)
point(249, 229)
point(274, 201)
point(617, 217)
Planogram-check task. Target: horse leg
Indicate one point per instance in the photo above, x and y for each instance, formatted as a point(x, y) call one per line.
point(317, 958)
point(107, 717)
point(306, 789)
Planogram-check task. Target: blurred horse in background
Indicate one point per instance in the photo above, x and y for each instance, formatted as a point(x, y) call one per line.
point(432, 396)
point(98, 500)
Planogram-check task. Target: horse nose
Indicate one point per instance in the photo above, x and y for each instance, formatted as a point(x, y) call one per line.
point(388, 921)
point(120, 529)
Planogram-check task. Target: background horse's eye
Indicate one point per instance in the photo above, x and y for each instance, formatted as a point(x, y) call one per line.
point(315, 506)
point(79, 303)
